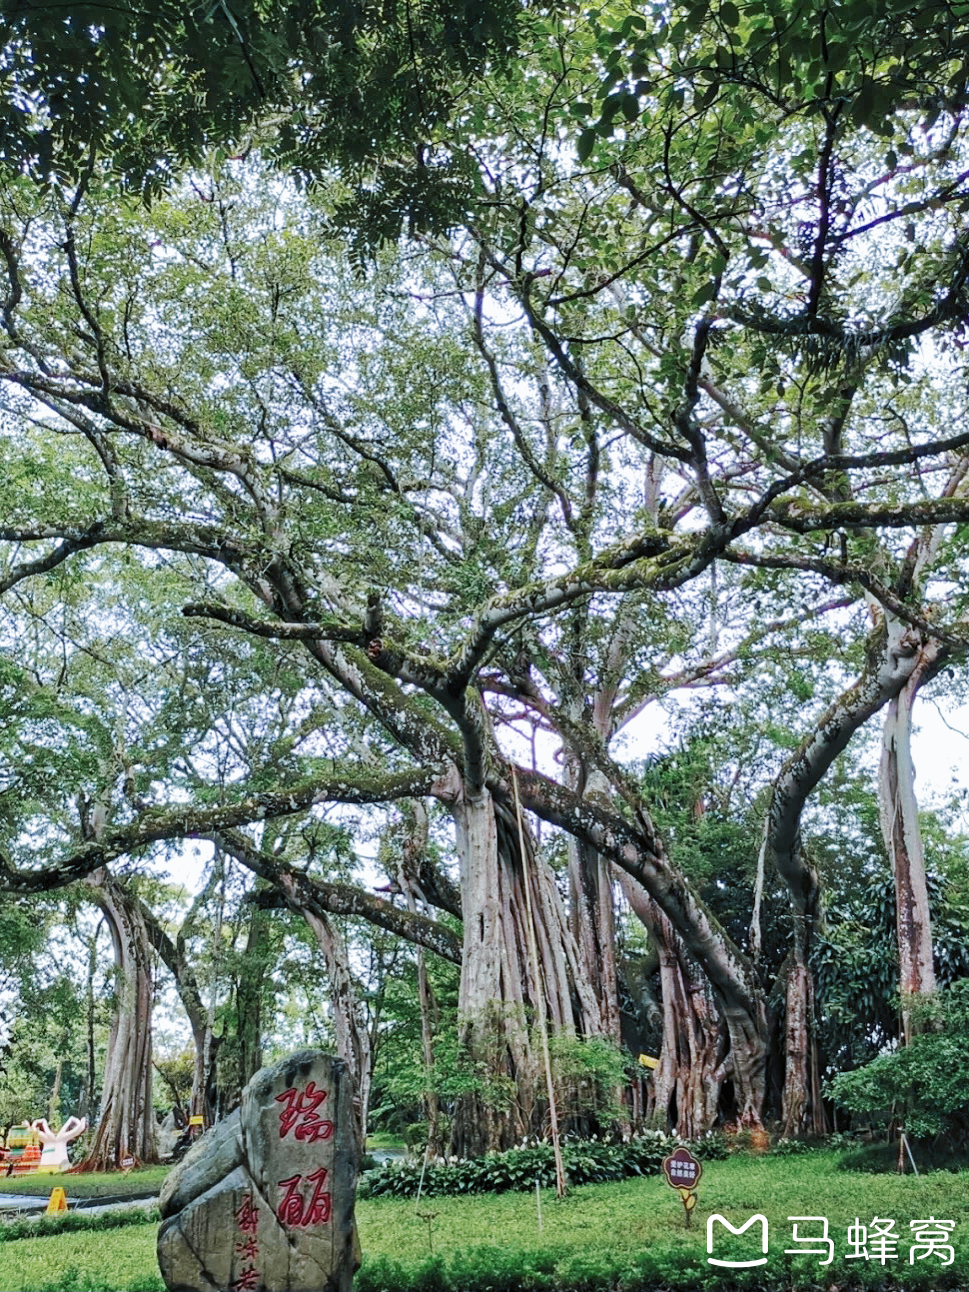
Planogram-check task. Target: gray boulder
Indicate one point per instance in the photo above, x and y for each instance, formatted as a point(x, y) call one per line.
point(264, 1201)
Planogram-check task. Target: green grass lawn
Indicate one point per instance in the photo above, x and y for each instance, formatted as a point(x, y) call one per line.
point(381, 1140)
point(615, 1224)
point(112, 1261)
point(619, 1236)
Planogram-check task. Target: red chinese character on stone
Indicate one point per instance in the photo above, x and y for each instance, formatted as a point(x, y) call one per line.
point(318, 1210)
point(247, 1281)
point(291, 1210)
point(247, 1251)
point(303, 1104)
point(247, 1217)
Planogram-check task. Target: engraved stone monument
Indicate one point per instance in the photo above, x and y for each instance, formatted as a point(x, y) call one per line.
point(264, 1202)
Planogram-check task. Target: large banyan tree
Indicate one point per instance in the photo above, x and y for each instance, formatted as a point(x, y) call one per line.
point(519, 483)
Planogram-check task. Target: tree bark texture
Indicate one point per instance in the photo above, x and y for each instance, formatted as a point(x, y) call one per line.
point(892, 655)
point(693, 1059)
point(498, 992)
point(175, 958)
point(126, 1125)
point(249, 996)
point(637, 849)
point(85, 1107)
point(408, 879)
point(593, 924)
point(691, 1070)
point(349, 1027)
point(902, 833)
point(593, 908)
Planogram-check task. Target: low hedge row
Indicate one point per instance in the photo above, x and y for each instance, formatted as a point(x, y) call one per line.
point(67, 1222)
point(586, 1162)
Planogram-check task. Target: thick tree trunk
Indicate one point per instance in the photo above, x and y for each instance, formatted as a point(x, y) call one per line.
point(408, 879)
point(494, 987)
point(691, 1070)
point(802, 1107)
point(204, 1042)
point(593, 907)
point(635, 846)
point(498, 992)
point(899, 813)
point(593, 923)
point(892, 654)
point(249, 996)
point(693, 1059)
point(86, 1102)
point(126, 1128)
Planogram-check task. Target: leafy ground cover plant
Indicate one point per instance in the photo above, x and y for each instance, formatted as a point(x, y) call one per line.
point(586, 1162)
point(122, 1260)
point(72, 1222)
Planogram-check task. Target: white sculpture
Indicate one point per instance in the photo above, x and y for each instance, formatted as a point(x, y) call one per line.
point(53, 1156)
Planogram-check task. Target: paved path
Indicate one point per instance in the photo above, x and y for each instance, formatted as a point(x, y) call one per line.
point(20, 1201)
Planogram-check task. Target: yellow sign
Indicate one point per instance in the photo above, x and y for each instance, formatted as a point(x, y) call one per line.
point(56, 1202)
point(648, 1061)
point(196, 1120)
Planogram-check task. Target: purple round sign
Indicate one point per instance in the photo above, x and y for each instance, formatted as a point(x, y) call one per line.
point(682, 1169)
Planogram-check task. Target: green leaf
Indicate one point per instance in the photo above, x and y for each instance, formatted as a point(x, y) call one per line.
point(585, 144)
point(705, 293)
point(864, 100)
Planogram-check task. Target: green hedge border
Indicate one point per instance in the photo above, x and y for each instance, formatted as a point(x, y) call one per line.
point(73, 1221)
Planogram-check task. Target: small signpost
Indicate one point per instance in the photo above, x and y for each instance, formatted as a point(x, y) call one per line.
point(683, 1173)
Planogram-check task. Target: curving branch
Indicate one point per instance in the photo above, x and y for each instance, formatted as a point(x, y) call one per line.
point(187, 821)
point(807, 518)
point(638, 849)
point(324, 630)
point(838, 572)
point(303, 892)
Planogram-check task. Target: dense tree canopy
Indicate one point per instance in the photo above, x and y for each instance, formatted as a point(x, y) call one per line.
point(676, 409)
point(150, 87)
